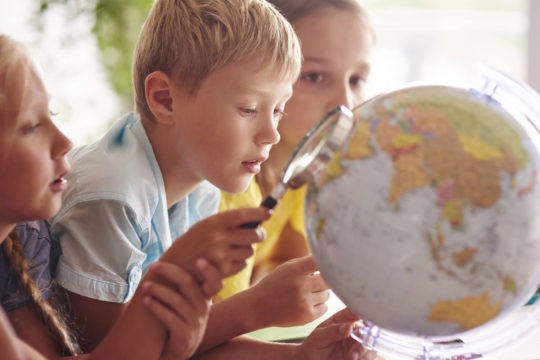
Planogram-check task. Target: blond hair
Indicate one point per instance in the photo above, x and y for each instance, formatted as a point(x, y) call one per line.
point(14, 57)
point(189, 39)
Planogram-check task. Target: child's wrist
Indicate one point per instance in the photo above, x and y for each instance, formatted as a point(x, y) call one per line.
point(250, 310)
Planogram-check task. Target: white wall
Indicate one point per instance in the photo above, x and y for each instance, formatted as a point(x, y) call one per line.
point(534, 44)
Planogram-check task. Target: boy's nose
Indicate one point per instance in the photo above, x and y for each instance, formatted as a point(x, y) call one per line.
point(269, 134)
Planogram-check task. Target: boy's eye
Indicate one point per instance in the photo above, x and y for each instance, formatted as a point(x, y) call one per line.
point(248, 111)
point(279, 113)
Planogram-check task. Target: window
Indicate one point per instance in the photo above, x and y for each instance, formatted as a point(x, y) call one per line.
point(443, 42)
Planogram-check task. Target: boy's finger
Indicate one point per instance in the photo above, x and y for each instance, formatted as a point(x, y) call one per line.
point(185, 285)
point(210, 276)
point(237, 217)
point(158, 294)
point(169, 318)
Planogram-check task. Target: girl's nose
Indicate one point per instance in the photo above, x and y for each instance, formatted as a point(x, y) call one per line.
point(61, 144)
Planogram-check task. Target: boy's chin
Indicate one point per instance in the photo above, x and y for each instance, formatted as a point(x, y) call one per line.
point(237, 187)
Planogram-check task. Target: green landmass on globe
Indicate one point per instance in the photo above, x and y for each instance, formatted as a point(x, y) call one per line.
point(425, 222)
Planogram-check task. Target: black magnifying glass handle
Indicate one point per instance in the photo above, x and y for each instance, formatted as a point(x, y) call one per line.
point(268, 203)
point(313, 152)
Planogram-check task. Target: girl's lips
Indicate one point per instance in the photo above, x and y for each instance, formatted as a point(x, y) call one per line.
point(59, 184)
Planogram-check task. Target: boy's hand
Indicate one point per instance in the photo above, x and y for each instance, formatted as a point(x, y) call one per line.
point(221, 239)
point(292, 294)
point(181, 304)
point(331, 340)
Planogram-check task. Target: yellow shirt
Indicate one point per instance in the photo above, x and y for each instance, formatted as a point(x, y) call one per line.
point(251, 197)
point(290, 209)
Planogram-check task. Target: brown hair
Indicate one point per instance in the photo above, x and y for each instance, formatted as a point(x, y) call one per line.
point(189, 39)
point(52, 318)
point(295, 9)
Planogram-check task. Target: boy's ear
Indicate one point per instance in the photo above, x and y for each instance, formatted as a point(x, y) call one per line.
point(158, 89)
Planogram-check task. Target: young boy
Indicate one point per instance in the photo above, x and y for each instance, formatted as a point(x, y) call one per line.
point(211, 80)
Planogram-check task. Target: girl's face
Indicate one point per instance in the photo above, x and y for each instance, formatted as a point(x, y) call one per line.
point(336, 46)
point(32, 149)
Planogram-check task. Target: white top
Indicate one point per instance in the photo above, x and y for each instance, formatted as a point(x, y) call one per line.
point(115, 221)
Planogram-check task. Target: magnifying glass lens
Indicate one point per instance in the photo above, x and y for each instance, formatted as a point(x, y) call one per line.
point(314, 151)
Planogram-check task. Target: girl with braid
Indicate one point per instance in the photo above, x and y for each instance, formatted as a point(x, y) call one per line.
point(32, 167)
point(27, 286)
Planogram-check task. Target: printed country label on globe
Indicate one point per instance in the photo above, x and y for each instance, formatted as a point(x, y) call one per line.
point(427, 222)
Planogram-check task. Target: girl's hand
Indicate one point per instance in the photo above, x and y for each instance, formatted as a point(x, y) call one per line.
point(332, 340)
point(181, 304)
point(293, 294)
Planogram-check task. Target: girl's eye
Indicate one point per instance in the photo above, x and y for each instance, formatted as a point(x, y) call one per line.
point(313, 77)
point(357, 80)
point(31, 128)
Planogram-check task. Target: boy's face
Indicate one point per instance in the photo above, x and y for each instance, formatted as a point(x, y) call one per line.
point(225, 131)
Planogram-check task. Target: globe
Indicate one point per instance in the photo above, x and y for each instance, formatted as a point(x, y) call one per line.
point(426, 222)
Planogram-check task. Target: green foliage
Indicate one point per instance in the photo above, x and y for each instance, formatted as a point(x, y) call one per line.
point(116, 27)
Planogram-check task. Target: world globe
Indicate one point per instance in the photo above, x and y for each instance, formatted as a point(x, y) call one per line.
point(426, 221)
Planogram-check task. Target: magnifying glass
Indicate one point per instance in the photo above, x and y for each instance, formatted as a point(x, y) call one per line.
point(315, 150)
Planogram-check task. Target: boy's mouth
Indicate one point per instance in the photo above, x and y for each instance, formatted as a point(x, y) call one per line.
point(253, 166)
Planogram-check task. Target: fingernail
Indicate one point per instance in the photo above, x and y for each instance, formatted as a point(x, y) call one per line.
point(356, 355)
point(200, 262)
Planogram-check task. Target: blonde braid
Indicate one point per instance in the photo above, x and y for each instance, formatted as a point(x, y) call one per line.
point(52, 318)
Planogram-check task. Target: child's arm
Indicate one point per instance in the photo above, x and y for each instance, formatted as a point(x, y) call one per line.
point(30, 328)
point(330, 340)
point(220, 239)
point(293, 294)
point(182, 309)
point(11, 347)
point(165, 322)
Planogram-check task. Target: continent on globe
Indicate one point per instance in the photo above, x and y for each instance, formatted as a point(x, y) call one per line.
point(427, 221)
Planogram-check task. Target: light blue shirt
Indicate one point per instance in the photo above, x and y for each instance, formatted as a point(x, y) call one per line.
point(114, 221)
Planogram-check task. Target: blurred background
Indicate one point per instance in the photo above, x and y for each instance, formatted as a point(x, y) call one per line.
point(85, 48)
